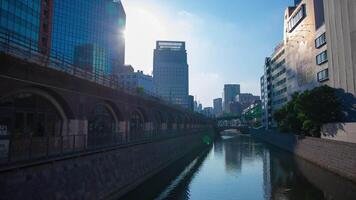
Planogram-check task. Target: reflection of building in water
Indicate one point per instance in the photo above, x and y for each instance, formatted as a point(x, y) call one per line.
point(218, 147)
point(240, 151)
point(266, 174)
point(91, 58)
point(233, 156)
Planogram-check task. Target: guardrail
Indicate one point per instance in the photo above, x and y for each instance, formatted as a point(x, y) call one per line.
point(27, 149)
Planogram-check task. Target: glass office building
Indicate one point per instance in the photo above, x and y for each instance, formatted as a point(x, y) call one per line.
point(68, 30)
point(20, 19)
point(95, 25)
point(170, 72)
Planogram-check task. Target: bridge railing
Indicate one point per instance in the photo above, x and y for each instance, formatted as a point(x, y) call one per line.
point(34, 148)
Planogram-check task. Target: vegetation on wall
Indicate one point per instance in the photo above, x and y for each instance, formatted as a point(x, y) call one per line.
point(308, 111)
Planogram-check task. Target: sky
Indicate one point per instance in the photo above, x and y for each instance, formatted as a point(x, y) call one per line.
point(226, 40)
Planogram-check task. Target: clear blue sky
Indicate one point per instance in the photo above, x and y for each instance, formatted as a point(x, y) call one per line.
point(227, 40)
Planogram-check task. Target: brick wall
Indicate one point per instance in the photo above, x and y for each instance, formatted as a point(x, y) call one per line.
point(100, 175)
point(338, 157)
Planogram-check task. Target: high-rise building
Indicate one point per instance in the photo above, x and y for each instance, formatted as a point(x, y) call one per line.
point(274, 85)
point(170, 72)
point(98, 24)
point(218, 107)
point(86, 33)
point(230, 93)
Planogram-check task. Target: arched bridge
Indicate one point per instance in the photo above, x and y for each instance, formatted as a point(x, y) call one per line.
point(47, 111)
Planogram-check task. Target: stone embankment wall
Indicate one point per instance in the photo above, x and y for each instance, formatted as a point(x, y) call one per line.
point(345, 132)
point(106, 174)
point(338, 157)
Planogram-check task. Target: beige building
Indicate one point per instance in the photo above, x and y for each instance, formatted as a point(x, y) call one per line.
point(320, 43)
point(319, 47)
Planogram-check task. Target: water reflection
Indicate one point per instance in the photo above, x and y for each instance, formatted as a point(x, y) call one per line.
point(242, 168)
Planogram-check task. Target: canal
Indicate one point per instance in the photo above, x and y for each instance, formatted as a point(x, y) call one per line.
point(242, 168)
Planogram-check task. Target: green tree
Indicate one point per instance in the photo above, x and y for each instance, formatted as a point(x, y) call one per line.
point(308, 111)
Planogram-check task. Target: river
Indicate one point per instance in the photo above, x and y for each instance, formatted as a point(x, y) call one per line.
point(242, 168)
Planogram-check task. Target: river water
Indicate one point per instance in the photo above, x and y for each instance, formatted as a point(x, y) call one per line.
point(241, 168)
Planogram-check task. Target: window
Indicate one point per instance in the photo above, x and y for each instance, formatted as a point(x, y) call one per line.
point(323, 75)
point(320, 41)
point(296, 19)
point(322, 58)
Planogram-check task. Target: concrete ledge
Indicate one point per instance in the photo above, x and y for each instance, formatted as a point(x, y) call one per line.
point(338, 157)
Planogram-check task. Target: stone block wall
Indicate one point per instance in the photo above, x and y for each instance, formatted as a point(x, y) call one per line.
point(106, 174)
point(338, 157)
point(345, 132)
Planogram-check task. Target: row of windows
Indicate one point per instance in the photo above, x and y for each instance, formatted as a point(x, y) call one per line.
point(278, 65)
point(281, 82)
point(278, 56)
point(320, 41)
point(32, 6)
point(10, 19)
point(283, 71)
point(296, 19)
point(282, 91)
point(280, 101)
point(322, 58)
point(323, 75)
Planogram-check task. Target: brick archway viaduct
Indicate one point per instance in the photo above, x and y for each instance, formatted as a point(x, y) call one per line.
point(75, 98)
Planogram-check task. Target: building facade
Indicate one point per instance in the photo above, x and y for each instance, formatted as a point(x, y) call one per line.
point(208, 112)
point(21, 20)
point(170, 72)
point(319, 48)
point(136, 81)
point(84, 33)
point(218, 107)
point(98, 24)
point(253, 113)
point(246, 99)
point(230, 93)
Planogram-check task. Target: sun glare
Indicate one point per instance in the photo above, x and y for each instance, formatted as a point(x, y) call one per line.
point(143, 28)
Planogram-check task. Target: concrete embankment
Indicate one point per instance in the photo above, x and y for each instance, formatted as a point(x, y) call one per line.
point(104, 174)
point(338, 157)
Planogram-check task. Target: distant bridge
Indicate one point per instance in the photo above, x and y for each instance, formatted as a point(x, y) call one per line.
point(230, 122)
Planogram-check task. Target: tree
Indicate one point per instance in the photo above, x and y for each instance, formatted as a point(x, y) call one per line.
point(308, 111)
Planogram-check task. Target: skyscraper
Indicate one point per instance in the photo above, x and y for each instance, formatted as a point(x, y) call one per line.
point(84, 33)
point(97, 24)
point(218, 106)
point(170, 72)
point(230, 93)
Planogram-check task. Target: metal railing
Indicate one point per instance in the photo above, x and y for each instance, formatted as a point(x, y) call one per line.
point(26, 49)
point(32, 148)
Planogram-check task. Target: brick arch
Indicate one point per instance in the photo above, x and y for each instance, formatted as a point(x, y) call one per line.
point(55, 99)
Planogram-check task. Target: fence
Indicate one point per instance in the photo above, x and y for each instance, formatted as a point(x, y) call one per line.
point(31, 148)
